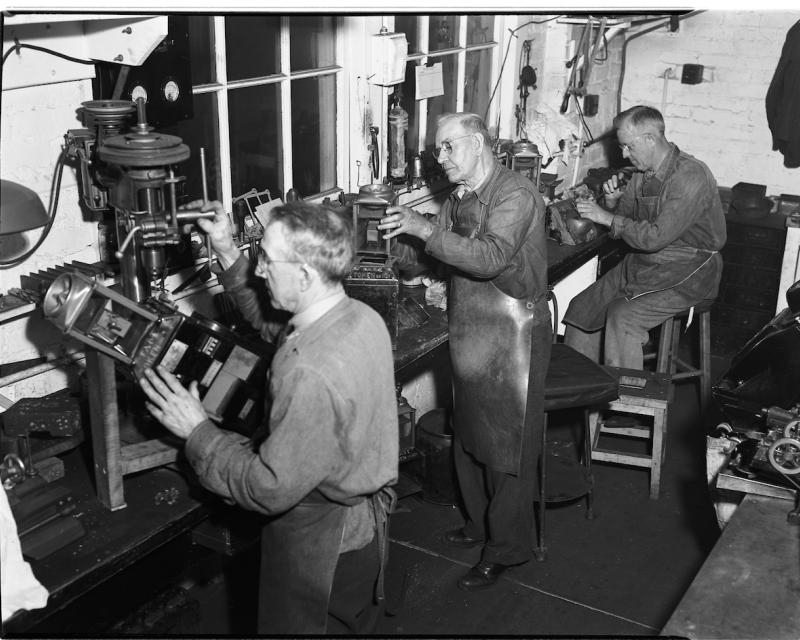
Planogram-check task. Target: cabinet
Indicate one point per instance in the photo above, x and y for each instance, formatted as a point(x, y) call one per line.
point(748, 291)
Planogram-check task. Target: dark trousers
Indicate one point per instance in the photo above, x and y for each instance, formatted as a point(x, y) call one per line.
point(500, 506)
point(352, 608)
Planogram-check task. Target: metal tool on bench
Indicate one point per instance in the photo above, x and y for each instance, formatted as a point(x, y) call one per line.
point(374, 278)
point(760, 398)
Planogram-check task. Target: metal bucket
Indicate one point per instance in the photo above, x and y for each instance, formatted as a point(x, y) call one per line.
point(434, 440)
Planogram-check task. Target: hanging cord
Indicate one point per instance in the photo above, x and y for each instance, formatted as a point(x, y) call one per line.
point(55, 189)
point(56, 184)
point(505, 57)
point(583, 120)
point(17, 46)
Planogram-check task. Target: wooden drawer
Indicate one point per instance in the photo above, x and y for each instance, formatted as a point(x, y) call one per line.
point(734, 275)
point(752, 236)
point(753, 257)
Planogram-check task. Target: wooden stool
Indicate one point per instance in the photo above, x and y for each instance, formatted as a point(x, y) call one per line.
point(667, 356)
point(640, 393)
point(573, 381)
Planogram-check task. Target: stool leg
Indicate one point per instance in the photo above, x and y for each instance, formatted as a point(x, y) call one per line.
point(664, 362)
point(587, 462)
point(659, 449)
point(541, 551)
point(676, 346)
point(705, 359)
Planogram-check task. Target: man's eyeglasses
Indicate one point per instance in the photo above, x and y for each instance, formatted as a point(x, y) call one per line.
point(627, 146)
point(447, 145)
point(264, 261)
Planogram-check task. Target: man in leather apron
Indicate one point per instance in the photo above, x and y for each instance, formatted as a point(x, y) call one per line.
point(670, 214)
point(491, 233)
point(323, 473)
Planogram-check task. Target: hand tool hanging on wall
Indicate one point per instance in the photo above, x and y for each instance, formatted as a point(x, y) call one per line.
point(527, 79)
point(572, 64)
point(580, 75)
point(374, 161)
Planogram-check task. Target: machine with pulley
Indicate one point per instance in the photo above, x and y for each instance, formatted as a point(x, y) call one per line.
point(131, 174)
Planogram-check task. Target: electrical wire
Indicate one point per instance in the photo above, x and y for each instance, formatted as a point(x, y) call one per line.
point(691, 14)
point(56, 184)
point(505, 57)
point(583, 120)
point(55, 189)
point(18, 45)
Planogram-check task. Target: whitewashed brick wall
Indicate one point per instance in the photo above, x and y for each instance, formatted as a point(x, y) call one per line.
point(722, 121)
point(34, 121)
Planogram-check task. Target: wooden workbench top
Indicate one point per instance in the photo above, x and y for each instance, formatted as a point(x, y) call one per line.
point(749, 586)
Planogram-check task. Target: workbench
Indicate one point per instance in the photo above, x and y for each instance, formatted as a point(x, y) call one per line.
point(749, 586)
point(162, 505)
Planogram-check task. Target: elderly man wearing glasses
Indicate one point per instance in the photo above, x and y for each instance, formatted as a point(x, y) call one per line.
point(323, 472)
point(670, 214)
point(491, 234)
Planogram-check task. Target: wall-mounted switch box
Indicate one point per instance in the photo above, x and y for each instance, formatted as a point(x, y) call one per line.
point(692, 74)
point(591, 102)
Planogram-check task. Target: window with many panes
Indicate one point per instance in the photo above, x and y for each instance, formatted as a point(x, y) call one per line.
point(466, 46)
point(266, 89)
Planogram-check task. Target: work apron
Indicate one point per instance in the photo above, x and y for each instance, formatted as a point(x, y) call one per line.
point(683, 268)
point(299, 553)
point(490, 352)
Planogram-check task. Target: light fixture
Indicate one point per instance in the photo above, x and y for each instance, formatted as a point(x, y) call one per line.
point(21, 209)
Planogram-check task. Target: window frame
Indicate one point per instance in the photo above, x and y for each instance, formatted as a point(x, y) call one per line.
point(460, 50)
point(350, 70)
point(221, 87)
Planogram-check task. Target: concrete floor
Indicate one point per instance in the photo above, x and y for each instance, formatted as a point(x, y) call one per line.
point(620, 574)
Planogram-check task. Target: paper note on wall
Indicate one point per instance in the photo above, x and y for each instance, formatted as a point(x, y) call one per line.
point(429, 81)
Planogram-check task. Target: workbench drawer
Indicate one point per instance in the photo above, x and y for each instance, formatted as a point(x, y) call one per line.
point(753, 236)
point(751, 277)
point(752, 256)
point(744, 298)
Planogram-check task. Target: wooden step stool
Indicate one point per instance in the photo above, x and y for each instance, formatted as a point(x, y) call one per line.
point(640, 393)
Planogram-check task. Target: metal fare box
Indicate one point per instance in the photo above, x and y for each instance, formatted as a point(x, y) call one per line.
point(374, 279)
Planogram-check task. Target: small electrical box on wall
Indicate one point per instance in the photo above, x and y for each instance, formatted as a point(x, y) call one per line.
point(591, 103)
point(692, 74)
point(389, 52)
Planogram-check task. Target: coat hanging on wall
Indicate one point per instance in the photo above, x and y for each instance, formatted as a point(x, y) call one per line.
point(783, 101)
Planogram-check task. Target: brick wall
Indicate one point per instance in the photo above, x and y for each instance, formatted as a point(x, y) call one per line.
point(722, 120)
point(34, 122)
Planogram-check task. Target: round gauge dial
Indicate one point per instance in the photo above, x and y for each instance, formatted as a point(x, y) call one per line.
point(172, 91)
point(138, 92)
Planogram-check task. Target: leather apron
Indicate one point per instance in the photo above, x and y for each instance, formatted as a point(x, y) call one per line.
point(299, 553)
point(641, 273)
point(490, 352)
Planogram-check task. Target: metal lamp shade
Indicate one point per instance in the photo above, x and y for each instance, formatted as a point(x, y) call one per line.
point(21, 209)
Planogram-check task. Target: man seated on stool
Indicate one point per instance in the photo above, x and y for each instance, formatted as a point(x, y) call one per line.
point(671, 215)
point(322, 475)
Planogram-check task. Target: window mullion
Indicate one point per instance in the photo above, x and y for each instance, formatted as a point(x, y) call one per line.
point(221, 96)
point(461, 62)
point(424, 30)
point(341, 86)
point(286, 108)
